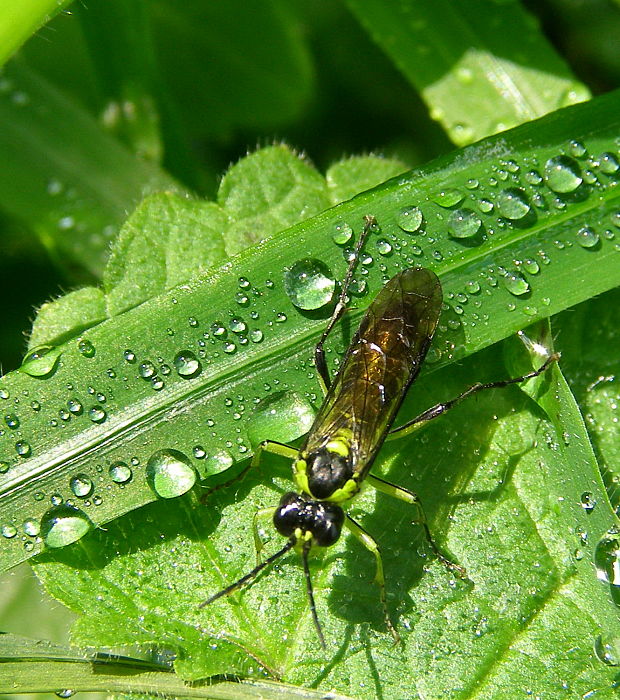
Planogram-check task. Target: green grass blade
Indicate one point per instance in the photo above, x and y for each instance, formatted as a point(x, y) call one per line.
point(480, 67)
point(68, 181)
point(20, 19)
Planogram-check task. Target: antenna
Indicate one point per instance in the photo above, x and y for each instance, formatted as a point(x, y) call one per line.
point(248, 577)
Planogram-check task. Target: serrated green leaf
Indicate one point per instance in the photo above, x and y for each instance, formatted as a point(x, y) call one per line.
point(58, 320)
point(166, 241)
point(268, 191)
point(349, 177)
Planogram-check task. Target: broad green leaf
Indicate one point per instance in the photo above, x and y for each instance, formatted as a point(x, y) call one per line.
point(480, 67)
point(186, 367)
point(503, 493)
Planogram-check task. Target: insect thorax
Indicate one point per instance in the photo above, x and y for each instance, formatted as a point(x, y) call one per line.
point(326, 473)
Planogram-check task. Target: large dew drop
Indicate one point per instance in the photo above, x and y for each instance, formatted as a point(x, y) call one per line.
point(563, 174)
point(63, 525)
point(41, 361)
point(464, 223)
point(283, 416)
point(169, 473)
point(309, 284)
point(187, 364)
point(513, 204)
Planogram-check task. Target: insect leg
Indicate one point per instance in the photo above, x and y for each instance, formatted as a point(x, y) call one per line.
point(441, 408)
point(373, 547)
point(341, 305)
point(407, 496)
point(271, 446)
point(258, 543)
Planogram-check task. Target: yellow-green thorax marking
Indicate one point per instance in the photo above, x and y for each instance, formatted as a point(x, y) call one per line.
point(327, 474)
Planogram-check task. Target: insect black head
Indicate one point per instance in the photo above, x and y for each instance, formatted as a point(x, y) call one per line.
point(327, 472)
point(323, 520)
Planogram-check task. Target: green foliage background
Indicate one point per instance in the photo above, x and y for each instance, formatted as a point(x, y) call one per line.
point(118, 124)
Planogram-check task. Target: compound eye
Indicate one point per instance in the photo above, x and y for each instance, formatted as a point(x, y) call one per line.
point(288, 515)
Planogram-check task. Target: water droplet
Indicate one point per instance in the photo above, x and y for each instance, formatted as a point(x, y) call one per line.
point(563, 174)
point(81, 485)
point(218, 329)
point(8, 531)
point(587, 237)
point(531, 266)
point(12, 420)
point(215, 462)
point(588, 502)
point(129, 356)
point(256, 335)
point(609, 163)
point(607, 559)
point(187, 364)
point(74, 407)
point(23, 448)
point(342, 233)
point(242, 299)
point(229, 348)
point(463, 223)
point(4, 467)
point(281, 317)
point(449, 197)
point(238, 325)
point(31, 527)
point(86, 348)
point(97, 414)
point(309, 284)
point(513, 203)
point(65, 693)
point(244, 283)
point(515, 283)
point(410, 219)
point(146, 369)
point(120, 473)
point(486, 206)
point(63, 525)
point(577, 149)
point(199, 452)
point(607, 649)
point(533, 177)
point(41, 361)
point(283, 416)
point(384, 247)
point(169, 473)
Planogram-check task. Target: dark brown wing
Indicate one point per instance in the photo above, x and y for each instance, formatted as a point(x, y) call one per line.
point(383, 359)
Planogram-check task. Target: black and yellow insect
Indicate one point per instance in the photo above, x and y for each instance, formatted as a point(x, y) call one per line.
point(355, 418)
